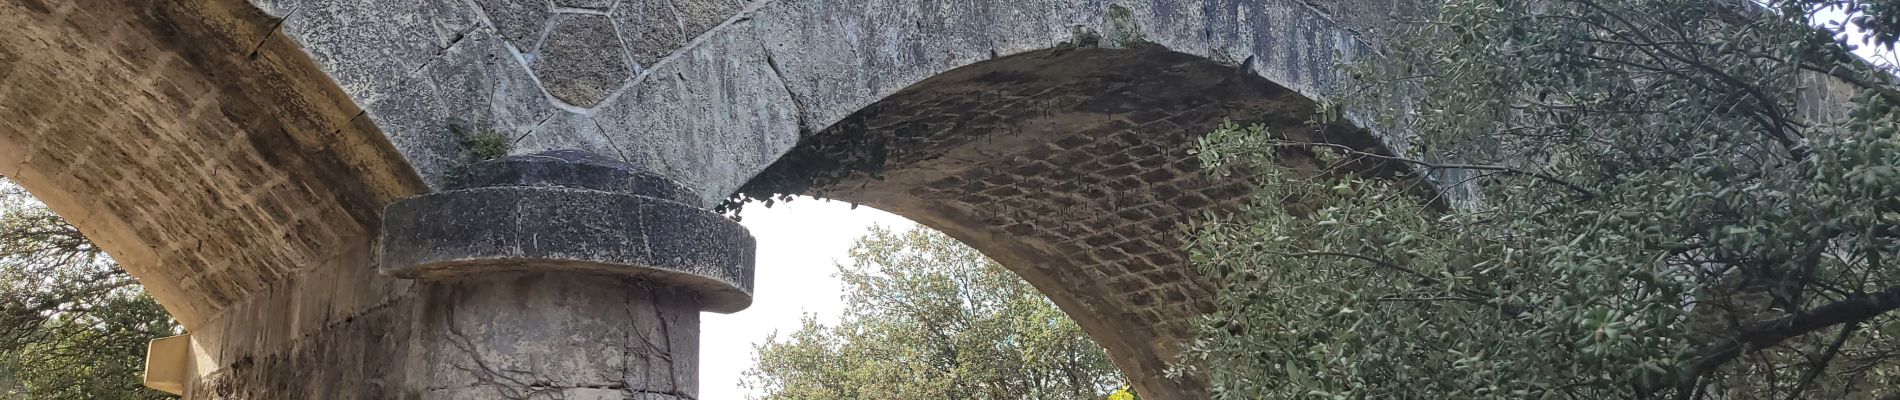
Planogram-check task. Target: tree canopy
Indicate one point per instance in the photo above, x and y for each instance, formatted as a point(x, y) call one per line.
point(1660, 207)
point(929, 318)
point(73, 325)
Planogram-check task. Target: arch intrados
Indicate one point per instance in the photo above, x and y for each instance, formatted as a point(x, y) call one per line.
point(212, 158)
point(1069, 166)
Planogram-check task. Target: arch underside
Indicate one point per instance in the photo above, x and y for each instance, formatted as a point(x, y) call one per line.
point(1072, 168)
point(211, 159)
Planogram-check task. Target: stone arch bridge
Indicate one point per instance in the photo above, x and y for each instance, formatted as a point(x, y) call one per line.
point(296, 180)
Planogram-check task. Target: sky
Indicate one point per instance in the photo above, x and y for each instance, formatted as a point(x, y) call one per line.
point(800, 244)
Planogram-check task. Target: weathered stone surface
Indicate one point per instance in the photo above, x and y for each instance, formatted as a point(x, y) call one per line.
point(582, 62)
point(502, 336)
point(690, 116)
point(574, 169)
point(650, 29)
point(364, 52)
point(451, 19)
point(211, 157)
point(521, 22)
point(475, 86)
point(829, 59)
point(653, 29)
point(514, 334)
point(567, 131)
point(570, 211)
point(597, 5)
point(698, 16)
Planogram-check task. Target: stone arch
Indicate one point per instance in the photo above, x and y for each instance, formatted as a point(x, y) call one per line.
point(718, 110)
point(1071, 167)
point(715, 108)
point(211, 159)
point(237, 155)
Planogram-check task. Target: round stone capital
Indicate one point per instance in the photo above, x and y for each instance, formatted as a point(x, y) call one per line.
point(541, 213)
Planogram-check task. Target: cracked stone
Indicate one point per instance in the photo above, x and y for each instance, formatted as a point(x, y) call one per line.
point(519, 21)
point(582, 61)
point(451, 20)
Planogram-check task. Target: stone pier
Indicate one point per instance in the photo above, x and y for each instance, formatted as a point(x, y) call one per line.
point(562, 275)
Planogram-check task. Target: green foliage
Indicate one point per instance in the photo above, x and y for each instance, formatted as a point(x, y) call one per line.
point(73, 325)
point(486, 146)
point(1662, 211)
point(930, 318)
point(848, 150)
point(1124, 30)
point(477, 146)
point(98, 355)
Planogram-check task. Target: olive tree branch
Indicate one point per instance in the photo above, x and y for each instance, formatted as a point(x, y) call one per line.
point(1826, 358)
point(1581, 191)
point(1852, 310)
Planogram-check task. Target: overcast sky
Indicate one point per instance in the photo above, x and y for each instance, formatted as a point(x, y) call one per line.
point(799, 244)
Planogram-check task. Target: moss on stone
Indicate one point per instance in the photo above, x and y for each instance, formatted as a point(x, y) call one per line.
point(486, 145)
point(477, 146)
point(1124, 30)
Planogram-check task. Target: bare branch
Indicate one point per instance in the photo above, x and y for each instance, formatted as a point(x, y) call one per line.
point(1770, 333)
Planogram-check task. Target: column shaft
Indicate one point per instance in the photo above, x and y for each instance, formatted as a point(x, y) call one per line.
point(559, 336)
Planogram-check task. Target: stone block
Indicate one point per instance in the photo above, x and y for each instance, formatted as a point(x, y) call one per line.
point(653, 29)
point(582, 62)
point(521, 22)
point(596, 5)
point(574, 169)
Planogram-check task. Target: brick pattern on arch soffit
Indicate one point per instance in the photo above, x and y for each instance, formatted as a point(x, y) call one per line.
point(1070, 167)
point(204, 153)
